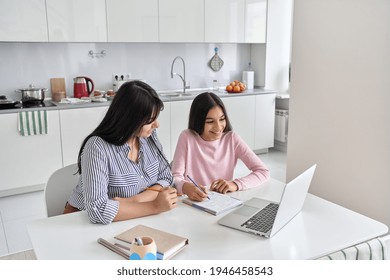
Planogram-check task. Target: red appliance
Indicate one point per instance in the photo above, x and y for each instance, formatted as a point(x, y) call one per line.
point(83, 87)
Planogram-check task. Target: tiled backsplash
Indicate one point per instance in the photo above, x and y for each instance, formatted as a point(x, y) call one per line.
point(35, 63)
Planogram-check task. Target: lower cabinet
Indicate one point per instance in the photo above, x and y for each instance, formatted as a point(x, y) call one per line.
point(264, 121)
point(241, 112)
point(179, 120)
point(76, 124)
point(28, 160)
point(164, 131)
point(3, 241)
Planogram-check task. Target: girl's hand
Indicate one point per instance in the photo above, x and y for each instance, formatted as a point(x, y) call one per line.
point(223, 186)
point(194, 193)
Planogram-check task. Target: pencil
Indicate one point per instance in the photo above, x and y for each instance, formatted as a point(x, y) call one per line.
point(156, 190)
point(197, 185)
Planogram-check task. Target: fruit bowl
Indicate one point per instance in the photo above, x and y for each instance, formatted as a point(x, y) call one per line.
point(232, 91)
point(235, 87)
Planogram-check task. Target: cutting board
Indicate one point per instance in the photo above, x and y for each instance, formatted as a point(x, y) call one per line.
point(57, 85)
point(58, 90)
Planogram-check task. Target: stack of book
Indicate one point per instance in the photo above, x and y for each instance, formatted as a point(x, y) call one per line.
point(168, 244)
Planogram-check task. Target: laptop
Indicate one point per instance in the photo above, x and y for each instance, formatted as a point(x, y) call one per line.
point(266, 218)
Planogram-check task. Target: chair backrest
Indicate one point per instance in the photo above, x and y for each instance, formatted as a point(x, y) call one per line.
point(58, 189)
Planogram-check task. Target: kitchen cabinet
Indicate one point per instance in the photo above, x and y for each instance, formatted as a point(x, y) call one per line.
point(28, 160)
point(23, 20)
point(132, 20)
point(264, 121)
point(76, 124)
point(179, 120)
point(235, 21)
point(76, 20)
point(32, 159)
point(164, 131)
point(181, 21)
point(224, 21)
point(255, 21)
point(241, 112)
point(3, 240)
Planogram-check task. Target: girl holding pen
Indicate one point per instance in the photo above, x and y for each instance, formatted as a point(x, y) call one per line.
point(208, 151)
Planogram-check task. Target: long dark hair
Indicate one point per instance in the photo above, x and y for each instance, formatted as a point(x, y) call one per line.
point(200, 107)
point(135, 104)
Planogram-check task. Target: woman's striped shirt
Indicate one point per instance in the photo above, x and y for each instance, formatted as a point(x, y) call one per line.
point(107, 172)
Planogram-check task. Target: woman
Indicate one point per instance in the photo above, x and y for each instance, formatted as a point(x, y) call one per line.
point(208, 152)
point(123, 172)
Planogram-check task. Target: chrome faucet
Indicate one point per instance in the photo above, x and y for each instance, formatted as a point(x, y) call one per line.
point(184, 72)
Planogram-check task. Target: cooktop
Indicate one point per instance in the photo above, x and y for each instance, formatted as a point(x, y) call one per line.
point(38, 104)
point(30, 105)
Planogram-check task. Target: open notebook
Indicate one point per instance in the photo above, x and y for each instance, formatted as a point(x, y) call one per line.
point(217, 204)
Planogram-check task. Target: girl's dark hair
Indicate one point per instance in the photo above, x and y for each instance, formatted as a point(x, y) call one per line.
point(200, 108)
point(134, 105)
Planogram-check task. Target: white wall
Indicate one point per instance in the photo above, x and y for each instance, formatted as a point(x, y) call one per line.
point(340, 101)
point(26, 63)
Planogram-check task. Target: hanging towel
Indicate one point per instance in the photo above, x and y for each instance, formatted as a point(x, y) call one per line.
point(374, 249)
point(32, 123)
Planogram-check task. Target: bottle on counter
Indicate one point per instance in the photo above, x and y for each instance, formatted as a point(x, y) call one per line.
point(215, 85)
point(248, 76)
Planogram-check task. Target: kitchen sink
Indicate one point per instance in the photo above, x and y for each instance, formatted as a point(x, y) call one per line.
point(189, 92)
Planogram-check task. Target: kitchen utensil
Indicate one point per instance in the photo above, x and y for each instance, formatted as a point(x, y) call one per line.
point(83, 87)
point(7, 104)
point(216, 62)
point(32, 94)
point(58, 90)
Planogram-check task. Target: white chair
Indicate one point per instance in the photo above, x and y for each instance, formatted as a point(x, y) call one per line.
point(58, 189)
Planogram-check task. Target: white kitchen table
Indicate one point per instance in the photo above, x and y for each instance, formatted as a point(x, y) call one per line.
point(321, 228)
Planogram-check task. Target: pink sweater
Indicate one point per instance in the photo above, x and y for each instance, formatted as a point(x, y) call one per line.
point(206, 161)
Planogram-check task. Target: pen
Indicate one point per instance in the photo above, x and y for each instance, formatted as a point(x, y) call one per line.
point(160, 190)
point(197, 185)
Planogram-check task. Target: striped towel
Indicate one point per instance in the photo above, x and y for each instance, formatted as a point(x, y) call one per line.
point(32, 123)
point(374, 249)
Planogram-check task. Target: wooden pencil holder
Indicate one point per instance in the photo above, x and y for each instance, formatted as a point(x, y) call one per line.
point(147, 251)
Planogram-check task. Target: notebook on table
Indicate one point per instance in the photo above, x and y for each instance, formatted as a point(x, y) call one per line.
point(266, 218)
point(168, 244)
point(217, 204)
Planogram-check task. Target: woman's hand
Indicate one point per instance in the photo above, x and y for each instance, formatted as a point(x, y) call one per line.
point(166, 200)
point(194, 193)
point(223, 186)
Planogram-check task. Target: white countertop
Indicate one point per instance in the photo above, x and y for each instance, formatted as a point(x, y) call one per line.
point(165, 95)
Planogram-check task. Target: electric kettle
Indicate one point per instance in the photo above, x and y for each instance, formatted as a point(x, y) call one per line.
point(83, 87)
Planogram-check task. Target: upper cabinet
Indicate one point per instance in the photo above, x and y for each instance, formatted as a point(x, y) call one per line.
point(224, 21)
point(23, 21)
point(166, 21)
point(76, 20)
point(181, 21)
point(255, 21)
point(235, 21)
point(132, 20)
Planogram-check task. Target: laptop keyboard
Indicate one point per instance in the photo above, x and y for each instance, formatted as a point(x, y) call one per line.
point(263, 220)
